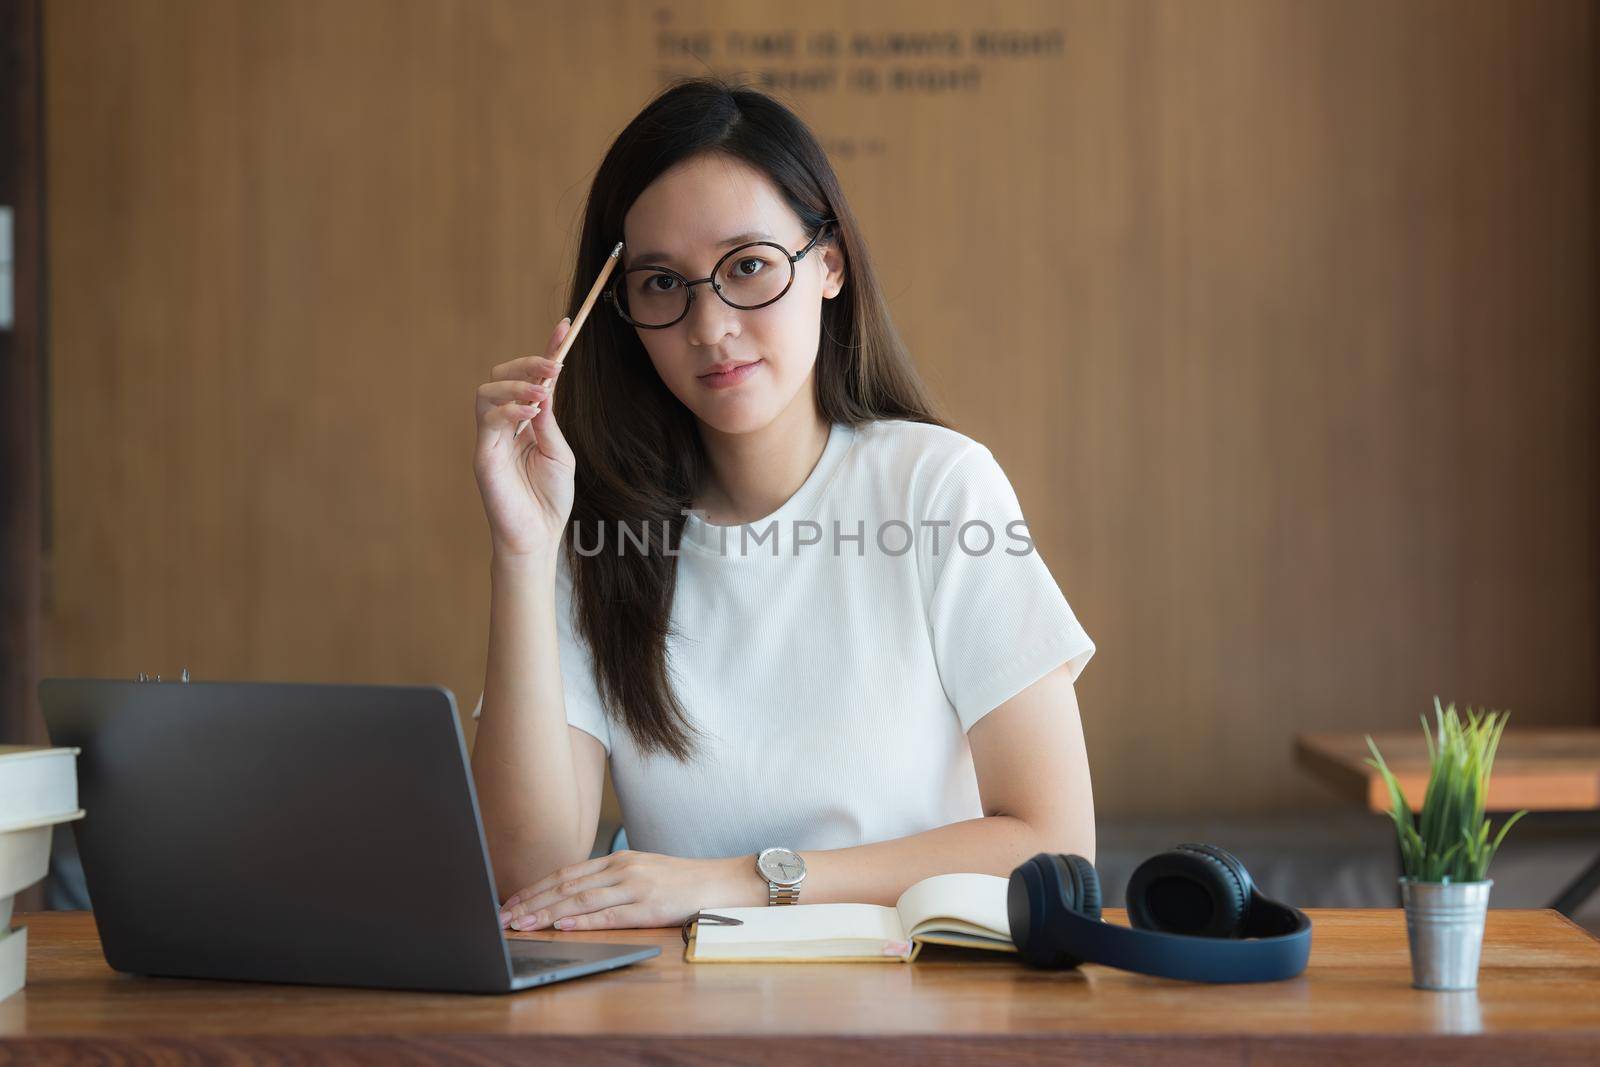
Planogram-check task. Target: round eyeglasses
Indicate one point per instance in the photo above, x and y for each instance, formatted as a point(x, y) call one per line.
point(748, 277)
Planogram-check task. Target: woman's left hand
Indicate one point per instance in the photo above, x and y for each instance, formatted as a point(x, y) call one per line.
point(627, 889)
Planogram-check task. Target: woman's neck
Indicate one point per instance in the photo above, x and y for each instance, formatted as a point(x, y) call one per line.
point(751, 475)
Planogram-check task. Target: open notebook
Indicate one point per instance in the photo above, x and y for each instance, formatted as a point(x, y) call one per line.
point(968, 910)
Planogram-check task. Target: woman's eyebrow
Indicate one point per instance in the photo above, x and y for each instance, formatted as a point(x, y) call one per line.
point(738, 238)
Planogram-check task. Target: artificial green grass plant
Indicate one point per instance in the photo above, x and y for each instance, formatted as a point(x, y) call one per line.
point(1450, 842)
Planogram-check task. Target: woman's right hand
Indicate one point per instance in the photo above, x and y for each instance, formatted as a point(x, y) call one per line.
point(526, 481)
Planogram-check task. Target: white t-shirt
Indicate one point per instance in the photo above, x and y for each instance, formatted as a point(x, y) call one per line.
point(833, 677)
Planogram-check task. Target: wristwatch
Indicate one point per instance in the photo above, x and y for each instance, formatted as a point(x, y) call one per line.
point(784, 870)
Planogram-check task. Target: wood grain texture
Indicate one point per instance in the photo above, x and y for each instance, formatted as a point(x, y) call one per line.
point(1541, 770)
point(1539, 992)
point(1280, 316)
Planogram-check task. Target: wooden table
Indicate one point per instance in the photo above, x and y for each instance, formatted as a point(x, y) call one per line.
point(1538, 1000)
point(1540, 769)
point(1537, 769)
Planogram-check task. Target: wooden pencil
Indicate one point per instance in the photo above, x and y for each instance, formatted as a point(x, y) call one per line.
point(577, 323)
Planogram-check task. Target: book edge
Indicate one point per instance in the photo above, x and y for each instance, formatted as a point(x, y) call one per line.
point(43, 820)
point(694, 934)
point(22, 752)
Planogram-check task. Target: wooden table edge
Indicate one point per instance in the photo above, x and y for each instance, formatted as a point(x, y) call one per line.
point(803, 1049)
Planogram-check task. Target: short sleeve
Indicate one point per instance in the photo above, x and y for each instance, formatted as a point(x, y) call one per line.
point(996, 616)
point(585, 710)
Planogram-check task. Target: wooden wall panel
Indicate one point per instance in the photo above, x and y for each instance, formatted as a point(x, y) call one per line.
point(1281, 317)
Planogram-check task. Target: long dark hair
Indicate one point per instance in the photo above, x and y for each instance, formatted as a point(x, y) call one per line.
point(638, 449)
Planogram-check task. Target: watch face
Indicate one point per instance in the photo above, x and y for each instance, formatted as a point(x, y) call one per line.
point(782, 866)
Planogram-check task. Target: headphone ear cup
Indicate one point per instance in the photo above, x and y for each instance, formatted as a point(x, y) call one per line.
point(1030, 901)
point(1039, 890)
point(1239, 887)
point(1080, 874)
point(1228, 860)
point(1188, 890)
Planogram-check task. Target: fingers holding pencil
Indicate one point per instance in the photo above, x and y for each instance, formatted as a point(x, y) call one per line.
point(519, 392)
point(548, 369)
point(528, 489)
point(583, 315)
point(543, 372)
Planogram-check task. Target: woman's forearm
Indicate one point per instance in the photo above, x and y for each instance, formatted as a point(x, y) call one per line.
point(878, 873)
point(522, 759)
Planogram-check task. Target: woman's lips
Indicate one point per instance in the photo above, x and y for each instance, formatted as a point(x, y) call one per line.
point(731, 377)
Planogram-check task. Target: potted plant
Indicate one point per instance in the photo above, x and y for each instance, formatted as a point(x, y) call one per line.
point(1445, 852)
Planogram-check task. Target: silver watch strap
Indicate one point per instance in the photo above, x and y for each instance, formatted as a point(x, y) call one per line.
point(782, 894)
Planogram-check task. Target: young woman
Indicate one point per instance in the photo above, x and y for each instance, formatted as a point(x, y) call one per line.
point(748, 565)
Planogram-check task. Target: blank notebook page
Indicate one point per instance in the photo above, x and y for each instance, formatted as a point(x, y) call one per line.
point(980, 899)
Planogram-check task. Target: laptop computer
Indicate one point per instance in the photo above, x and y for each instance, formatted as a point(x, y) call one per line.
point(283, 832)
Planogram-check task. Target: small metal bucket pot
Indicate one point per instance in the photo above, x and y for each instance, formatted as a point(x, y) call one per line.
point(1444, 922)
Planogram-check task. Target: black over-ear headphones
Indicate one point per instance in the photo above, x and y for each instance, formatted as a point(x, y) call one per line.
point(1196, 915)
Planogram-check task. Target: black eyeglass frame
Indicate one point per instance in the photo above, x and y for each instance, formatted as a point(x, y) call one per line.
point(793, 257)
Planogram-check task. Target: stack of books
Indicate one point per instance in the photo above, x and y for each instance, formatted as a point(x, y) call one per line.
point(38, 789)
